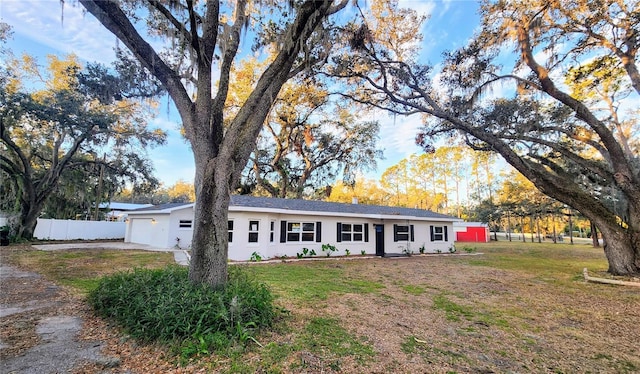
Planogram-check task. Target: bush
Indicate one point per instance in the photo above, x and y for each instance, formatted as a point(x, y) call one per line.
point(162, 305)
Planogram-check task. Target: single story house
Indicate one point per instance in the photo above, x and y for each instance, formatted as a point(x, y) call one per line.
point(272, 227)
point(476, 232)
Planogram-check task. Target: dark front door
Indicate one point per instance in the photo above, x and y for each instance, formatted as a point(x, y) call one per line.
point(379, 240)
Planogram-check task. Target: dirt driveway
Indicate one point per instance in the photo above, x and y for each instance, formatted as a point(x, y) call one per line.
point(39, 326)
point(181, 256)
point(41, 323)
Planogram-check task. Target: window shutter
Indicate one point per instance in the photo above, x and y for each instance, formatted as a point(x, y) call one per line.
point(339, 231)
point(446, 237)
point(432, 236)
point(412, 236)
point(395, 232)
point(283, 231)
point(318, 232)
point(366, 232)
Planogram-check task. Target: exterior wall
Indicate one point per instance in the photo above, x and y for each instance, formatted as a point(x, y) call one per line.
point(167, 229)
point(329, 233)
point(152, 230)
point(58, 229)
point(472, 232)
point(180, 236)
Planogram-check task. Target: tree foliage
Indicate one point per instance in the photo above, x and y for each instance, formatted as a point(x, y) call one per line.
point(307, 141)
point(68, 140)
point(574, 147)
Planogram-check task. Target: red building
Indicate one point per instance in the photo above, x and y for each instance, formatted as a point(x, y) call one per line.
point(476, 232)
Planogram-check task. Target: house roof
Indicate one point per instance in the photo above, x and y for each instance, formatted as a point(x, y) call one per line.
point(163, 208)
point(310, 207)
point(122, 206)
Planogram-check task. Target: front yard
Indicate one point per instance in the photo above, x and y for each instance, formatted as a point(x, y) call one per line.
point(519, 307)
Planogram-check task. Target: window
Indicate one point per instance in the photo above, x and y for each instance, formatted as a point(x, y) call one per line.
point(353, 232)
point(230, 229)
point(185, 223)
point(403, 233)
point(272, 230)
point(300, 231)
point(439, 234)
point(253, 231)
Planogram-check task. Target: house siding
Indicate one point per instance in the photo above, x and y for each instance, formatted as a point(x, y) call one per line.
point(165, 232)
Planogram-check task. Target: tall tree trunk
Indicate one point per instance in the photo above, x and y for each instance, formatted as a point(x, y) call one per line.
point(509, 225)
point(209, 251)
point(28, 220)
point(621, 249)
point(570, 227)
point(531, 224)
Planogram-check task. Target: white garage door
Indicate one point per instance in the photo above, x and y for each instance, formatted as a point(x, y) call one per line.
point(141, 230)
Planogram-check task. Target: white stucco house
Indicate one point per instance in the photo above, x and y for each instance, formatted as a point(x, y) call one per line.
point(272, 227)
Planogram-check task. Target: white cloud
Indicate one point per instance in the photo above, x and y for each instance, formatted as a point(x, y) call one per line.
point(397, 134)
point(423, 8)
point(66, 29)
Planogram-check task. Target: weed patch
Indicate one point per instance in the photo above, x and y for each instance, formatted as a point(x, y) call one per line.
point(412, 345)
point(308, 283)
point(413, 289)
point(453, 310)
point(327, 336)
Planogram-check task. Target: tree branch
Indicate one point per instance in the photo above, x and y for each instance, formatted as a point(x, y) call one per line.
point(114, 19)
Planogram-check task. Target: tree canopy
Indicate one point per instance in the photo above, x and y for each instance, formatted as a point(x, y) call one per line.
point(65, 140)
point(572, 141)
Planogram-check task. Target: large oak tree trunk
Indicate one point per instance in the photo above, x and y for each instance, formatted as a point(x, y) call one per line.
point(621, 250)
point(28, 221)
point(209, 251)
point(30, 209)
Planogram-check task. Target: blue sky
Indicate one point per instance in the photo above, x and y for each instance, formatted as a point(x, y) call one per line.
point(41, 27)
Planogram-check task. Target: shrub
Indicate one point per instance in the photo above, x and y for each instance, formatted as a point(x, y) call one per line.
point(163, 305)
point(328, 249)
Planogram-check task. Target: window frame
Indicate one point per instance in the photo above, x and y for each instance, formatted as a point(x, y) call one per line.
point(230, 225)
point(296, 231)
point(272, 231)
point(403, 236)
point(352, 232)
point(182, 224)
point(253, 235)
point(442, 236)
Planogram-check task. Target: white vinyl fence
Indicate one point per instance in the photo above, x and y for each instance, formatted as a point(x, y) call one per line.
point(57, 229)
